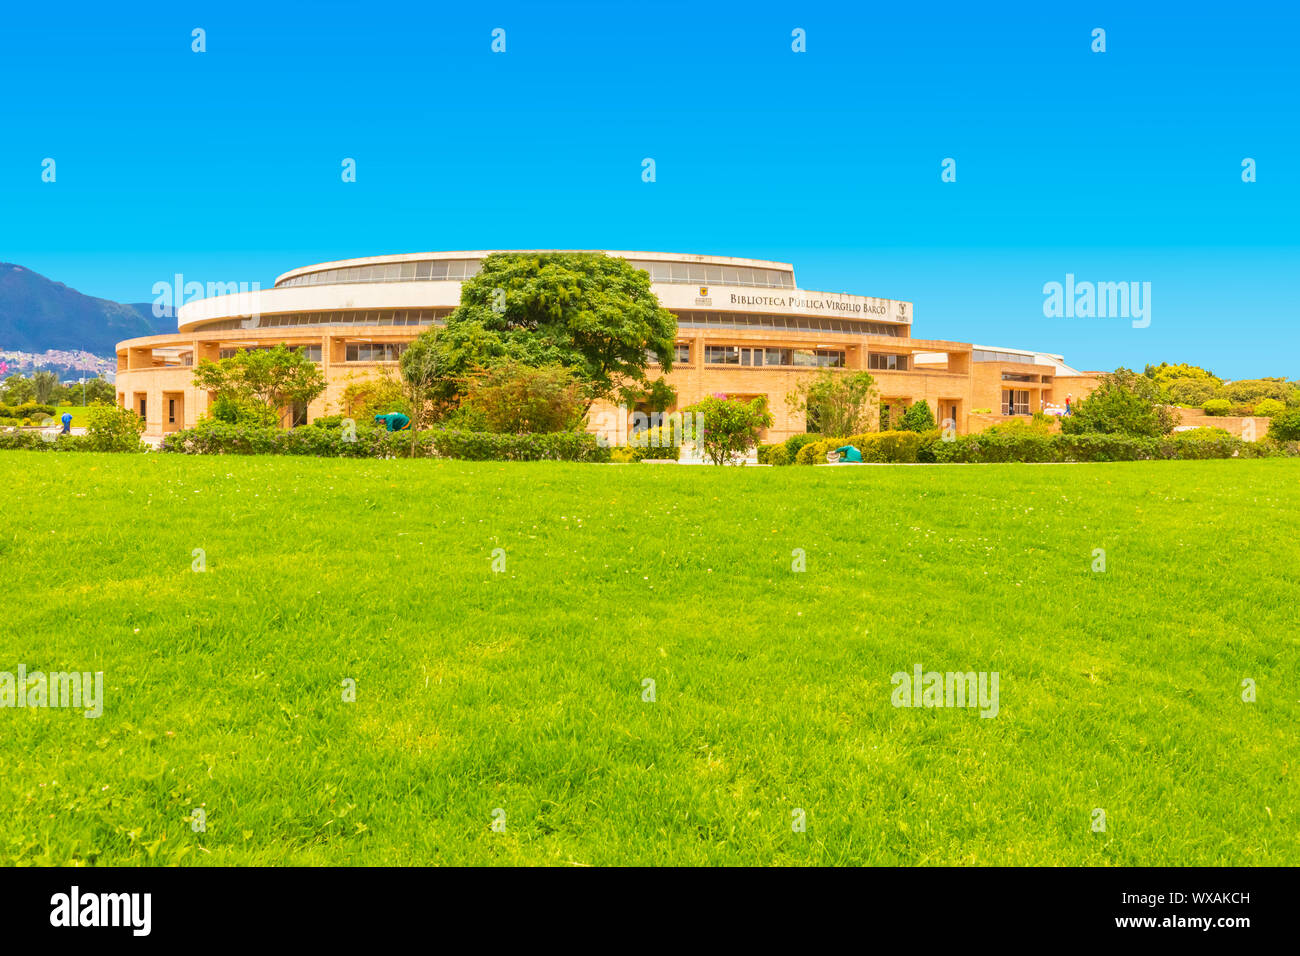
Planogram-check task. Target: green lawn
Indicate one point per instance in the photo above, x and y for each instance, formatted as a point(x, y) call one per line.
point(522, 690)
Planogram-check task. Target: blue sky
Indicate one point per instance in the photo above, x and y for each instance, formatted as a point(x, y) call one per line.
point(1119, 166)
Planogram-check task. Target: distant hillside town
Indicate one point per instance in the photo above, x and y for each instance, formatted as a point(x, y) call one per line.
point(68, 365)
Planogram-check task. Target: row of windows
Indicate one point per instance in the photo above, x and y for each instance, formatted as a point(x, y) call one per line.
point(372, 317)
point(685, 319)
point(791, 323)
point(1025, 377)
point(796, 358)
point(428, 270)
point(375, 351)
point(311, 352)
point(740, 355)
point(222, 326)
point(983, 355)
point(888, 362)
point(695, 274)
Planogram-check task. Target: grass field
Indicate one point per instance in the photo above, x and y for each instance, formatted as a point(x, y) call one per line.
point(522, 690)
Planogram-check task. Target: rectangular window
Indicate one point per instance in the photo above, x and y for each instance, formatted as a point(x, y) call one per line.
point(722, 355)
point(375, 351)
point(682, 353)
point(143, 409)
point(171, 411)
point(1017, 377)
point(1015, 401)
point(888, 362)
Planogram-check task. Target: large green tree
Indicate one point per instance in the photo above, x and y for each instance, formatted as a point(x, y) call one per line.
point(586, 311)
point(44, 384)
point(835, 401)
point(1125, 403)
point(273, 379)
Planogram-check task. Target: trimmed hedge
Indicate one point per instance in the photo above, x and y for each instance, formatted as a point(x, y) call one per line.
point(32, 441)
point(889, 446)
point(1285, 426)
point(795, 443)
point(26, 410)
point(1030, 446)
point(657, 444)
point(220, 439)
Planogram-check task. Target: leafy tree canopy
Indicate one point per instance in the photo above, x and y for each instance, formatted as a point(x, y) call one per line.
point(1124, 403)
point(728, 427)
point(275, 378)
point(835, 402)
point(586, 311)
point(917, 418)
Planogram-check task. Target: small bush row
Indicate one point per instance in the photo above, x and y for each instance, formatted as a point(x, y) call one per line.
point(27, 411)
point(33, 441)
point(367, 442)
point(1031, 446)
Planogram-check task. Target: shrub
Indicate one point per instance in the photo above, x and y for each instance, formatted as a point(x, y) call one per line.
point(110, 428)
point(1217, 406)
point(1285, 426)
point(233, 410)
point(465, 419)
point(773, 454)
point(520, 399)
point(1269, 407)
point(730, 426)
point(327, 421)
point(1250, 391)
point(917, 418)
point(1192, 392)
point(835, 400)
point(888, 447)
point(364, 399)
point(1018, 426)
point(796, 442)
point(27, 410)
point(14, 440)
point(1123, 403)
point(658, 444)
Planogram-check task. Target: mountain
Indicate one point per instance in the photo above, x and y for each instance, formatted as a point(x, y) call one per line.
point(37, 313)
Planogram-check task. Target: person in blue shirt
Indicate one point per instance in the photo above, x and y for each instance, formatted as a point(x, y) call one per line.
point(394, 421)
point(849, 453)
point(67, 424)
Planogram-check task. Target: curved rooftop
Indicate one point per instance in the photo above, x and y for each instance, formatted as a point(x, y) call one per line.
point(457, 266)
